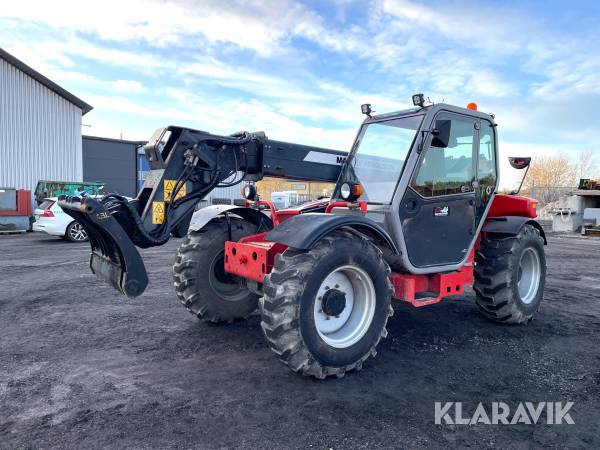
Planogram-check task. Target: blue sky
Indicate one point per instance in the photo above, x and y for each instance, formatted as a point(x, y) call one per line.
point(300, 70)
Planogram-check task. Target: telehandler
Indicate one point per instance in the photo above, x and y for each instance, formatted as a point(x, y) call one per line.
point(414, 216)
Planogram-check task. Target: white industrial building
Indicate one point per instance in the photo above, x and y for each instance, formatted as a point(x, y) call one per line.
point(40, 139)
point(40, 127)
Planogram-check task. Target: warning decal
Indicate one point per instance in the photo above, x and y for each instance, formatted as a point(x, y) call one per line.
point(169, 185)
point(158, 213)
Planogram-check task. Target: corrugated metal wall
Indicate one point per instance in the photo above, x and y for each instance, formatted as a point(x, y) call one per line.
point(40, 132)
point(230, 193)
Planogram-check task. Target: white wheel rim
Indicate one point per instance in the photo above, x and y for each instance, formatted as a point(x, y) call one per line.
point(529, 275)
point(77, 232)
point(347, 328)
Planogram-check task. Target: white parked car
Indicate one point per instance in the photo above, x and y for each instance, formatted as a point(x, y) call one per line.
point(50, 218)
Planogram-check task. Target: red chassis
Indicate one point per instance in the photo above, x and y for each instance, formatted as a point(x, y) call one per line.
point(252, 257)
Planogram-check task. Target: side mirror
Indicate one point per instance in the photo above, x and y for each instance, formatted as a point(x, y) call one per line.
point(519, 163)
point(441, 133)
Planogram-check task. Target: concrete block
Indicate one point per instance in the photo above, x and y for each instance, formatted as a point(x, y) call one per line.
point(566, 223)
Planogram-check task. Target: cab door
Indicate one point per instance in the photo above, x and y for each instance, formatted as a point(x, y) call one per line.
point(439, 208)
point(487, 169)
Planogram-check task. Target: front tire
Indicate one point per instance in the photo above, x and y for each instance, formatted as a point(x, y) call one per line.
point(201, 283)
point(510, 275)
point(325, 310)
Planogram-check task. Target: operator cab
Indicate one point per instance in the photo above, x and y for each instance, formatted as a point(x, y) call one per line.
point(435, 168)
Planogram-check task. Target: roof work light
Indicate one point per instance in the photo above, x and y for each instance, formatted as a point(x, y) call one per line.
point(366, 109)
point(418, 100)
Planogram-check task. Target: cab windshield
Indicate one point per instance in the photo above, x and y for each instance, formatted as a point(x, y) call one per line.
point(378, 161)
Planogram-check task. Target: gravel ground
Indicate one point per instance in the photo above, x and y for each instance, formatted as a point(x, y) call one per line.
point(80, 367)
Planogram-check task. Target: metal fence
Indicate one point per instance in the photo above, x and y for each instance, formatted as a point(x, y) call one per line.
point(547, 196)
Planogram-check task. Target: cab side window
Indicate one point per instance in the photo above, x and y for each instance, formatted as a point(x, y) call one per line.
point(486, 167)
point(450, 170)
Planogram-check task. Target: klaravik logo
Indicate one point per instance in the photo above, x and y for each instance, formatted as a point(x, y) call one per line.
point(500, 413)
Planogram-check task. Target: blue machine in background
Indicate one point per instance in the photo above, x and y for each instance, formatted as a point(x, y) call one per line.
point(143, 167)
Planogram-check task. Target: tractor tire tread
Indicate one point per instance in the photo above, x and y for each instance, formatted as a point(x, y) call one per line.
point(494, 283)
point(192, 254)
point(280, 306)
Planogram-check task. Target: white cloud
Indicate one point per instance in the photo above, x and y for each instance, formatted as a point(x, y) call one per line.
point(256, 25)
point(224, 118)
point(576, 74)
point(397, 34)
point(496, 27)
point(129, 106)
point(128, 86)
point(213, 71)
point(223, 65)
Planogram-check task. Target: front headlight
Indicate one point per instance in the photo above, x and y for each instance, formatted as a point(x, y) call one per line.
point(350, 191)
point(346, 191)
point(249, 192)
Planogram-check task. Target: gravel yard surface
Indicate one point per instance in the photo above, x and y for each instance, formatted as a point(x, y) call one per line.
point(82, 367)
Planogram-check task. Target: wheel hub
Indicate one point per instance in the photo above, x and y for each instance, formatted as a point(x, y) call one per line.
point(334, 302)
point(223, 284)
point(344, 306)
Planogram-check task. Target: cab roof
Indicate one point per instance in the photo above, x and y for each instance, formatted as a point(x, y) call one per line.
point(431, 109)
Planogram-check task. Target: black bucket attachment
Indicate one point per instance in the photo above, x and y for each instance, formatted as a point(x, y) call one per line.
point(114, 257)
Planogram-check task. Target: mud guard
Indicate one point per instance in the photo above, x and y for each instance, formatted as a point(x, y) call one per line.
point(305, 230)
point(511, 226)
point(205, 215)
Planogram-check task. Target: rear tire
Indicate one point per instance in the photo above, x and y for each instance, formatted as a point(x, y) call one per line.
point(304, 319)
point(201, 283)
point(510, 275)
